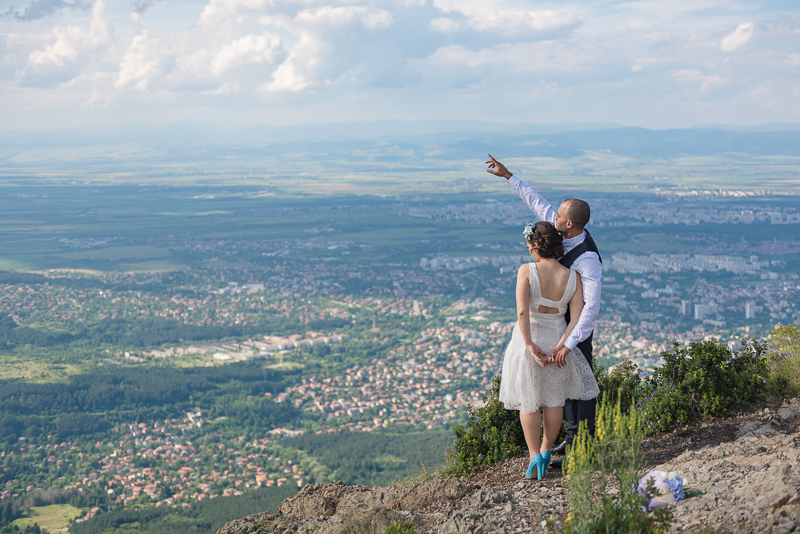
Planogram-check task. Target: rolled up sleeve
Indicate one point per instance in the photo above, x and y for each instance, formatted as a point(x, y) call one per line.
point(591, 270)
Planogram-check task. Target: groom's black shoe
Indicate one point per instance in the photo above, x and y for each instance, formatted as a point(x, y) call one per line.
point(561, 448)
point(556, 464)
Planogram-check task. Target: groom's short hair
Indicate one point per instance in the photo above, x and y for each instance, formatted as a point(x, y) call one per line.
point(578, 211)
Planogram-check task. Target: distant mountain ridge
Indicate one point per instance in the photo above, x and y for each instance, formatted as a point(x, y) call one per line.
point(404, 142)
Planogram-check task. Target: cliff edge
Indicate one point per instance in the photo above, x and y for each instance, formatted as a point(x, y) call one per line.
point(746, 467)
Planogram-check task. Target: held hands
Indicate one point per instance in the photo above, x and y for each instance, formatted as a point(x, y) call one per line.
point(559, 355)
point(538, 354)
point(497, 168)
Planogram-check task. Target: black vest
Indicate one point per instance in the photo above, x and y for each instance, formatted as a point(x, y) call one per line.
point(567, 260)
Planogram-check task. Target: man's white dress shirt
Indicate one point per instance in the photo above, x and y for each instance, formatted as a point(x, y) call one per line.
point(587, 265)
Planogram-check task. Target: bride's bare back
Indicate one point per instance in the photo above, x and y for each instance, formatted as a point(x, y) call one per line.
point(553, 278)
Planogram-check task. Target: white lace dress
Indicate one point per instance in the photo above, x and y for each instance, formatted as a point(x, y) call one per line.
point(525, 385)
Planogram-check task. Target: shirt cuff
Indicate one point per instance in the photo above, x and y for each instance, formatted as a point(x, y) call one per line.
point(570, 343)
point(513, 181)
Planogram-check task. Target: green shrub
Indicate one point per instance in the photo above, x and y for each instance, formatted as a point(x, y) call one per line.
point(491, 434)
point(597, 463)
point(701, 381)
point(784, 362)
point(697, 382)
point(620, 385)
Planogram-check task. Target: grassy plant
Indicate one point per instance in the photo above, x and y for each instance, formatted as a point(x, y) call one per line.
point(375, 521)
point(784, 362)
point(423, 475)
point(601, 472)
point(492, 434)
point(402, 527)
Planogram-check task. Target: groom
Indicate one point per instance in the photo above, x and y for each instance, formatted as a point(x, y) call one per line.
point(581, 255)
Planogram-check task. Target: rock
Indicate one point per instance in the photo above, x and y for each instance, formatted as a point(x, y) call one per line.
point(746, 429)
point(776, 488)
point(263, 523)
point(751, 429)
point(417, 496)
point(455, 525)
point(370, 519)
point(787, 415)
point(487, 498)
point(314, 500)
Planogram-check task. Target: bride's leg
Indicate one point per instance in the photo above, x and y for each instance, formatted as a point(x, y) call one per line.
point(531, 427)
point(552, 424)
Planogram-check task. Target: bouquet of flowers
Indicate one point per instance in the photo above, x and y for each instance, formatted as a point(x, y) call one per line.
point(667, 488)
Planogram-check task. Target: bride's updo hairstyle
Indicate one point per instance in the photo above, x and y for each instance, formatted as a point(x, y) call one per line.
point(546, 240)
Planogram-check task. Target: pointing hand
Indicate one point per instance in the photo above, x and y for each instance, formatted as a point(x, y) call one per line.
point(497, 168)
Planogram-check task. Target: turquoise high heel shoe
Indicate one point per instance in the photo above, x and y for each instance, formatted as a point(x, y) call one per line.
point(543, 462)
point(535, 462)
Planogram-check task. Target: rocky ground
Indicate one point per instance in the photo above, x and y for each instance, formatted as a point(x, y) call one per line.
point(746, 466)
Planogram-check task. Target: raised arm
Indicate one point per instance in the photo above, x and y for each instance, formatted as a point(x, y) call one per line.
point(537, 204)
point(523, 313)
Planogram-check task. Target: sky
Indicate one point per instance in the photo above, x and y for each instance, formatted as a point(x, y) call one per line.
point(648, 63)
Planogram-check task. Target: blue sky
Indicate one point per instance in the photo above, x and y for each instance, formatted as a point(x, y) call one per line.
point(650, 63)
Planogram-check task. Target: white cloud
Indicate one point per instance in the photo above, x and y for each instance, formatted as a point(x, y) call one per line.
point(295, 74)
point(248, 51)
point(141, 65)
point(707, 82)
point(217, 10)
point(737, 38)
point(286, 78)
point(446, 25)
point(487, 17)
point(63, 60)
point(225, 88)
point(328, 16)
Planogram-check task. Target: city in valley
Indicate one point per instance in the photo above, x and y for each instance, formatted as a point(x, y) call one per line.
point(248, 350)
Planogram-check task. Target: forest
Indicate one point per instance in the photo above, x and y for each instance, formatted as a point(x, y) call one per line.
point(138, 333)
point(200, 518)
point(86, 404)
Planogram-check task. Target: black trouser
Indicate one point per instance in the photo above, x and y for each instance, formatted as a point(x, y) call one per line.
point(576, 411)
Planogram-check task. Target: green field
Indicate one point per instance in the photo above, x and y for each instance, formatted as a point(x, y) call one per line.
point(55, 517)
point(34, 369)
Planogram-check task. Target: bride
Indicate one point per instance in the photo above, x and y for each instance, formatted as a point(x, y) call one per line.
point(530, 380)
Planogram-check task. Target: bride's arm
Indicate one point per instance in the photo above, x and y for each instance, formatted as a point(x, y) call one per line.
point(575, 307)
point(523, 313)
